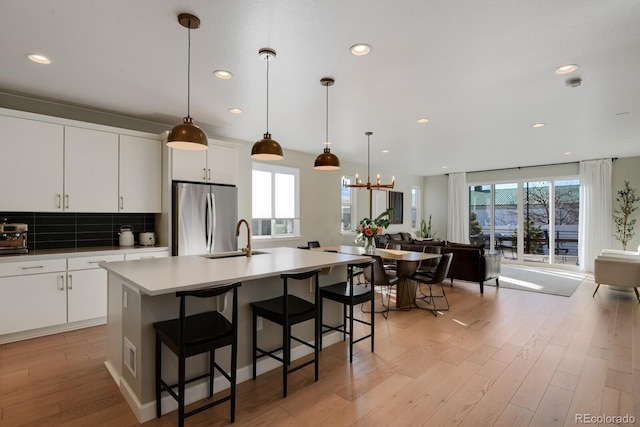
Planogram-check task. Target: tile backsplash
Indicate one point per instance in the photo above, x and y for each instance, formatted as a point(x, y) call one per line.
point(78, 230)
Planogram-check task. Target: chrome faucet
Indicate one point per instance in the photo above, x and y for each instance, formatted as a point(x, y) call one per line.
point(248, 248)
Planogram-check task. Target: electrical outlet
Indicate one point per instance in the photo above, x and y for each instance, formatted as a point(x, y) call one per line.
point(125, 299)
point(259, 323)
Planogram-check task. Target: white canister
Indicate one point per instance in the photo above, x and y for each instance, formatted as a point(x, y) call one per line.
point(147, 238)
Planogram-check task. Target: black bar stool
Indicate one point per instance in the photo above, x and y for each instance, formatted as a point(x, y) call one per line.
point(199, 333)
point(349, 294)
point(288, 310)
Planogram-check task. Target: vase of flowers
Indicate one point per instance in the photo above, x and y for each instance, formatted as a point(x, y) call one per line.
point(369, 228)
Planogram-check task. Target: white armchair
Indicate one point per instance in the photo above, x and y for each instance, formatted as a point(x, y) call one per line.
point(618, 268)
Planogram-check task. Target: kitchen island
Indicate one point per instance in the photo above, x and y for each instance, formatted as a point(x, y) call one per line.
point(143, 292)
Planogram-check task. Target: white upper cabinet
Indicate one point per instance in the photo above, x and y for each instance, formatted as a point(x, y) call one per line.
point(217, 165)
point(140, 175)
point(90, 170)
point(189, 165)
point(59, 165)
point(222, 163)
point(31, 176)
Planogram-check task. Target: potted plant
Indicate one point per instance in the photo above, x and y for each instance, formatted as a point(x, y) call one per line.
point(627, 200)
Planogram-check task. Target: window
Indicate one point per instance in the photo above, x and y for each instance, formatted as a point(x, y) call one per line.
point(275, 201)
point(415, 207)
point(347, 206)
point(525, 219)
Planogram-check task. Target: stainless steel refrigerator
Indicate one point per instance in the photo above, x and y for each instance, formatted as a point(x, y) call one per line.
point(204, 218)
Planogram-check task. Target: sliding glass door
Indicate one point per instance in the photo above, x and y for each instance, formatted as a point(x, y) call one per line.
point(533, 221)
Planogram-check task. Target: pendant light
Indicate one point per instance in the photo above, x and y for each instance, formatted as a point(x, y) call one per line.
point(187, 136)
point(267, 148)
point(327, 161)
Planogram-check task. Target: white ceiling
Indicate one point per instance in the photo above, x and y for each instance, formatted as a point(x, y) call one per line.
point(481, 71)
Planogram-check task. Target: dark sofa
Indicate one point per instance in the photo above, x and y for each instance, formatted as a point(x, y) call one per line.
point(470, 262)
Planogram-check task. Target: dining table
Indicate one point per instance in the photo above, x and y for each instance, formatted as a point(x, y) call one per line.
point(407, 263)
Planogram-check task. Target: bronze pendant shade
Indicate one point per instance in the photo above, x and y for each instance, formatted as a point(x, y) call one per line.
point(267, 148)
point(187, 136)
point(327, 161)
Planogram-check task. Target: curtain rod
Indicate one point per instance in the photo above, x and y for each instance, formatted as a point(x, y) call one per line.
point(532, 166)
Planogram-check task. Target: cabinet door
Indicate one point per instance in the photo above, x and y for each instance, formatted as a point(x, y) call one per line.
point(140, 175)
point(90, 170)
point(32, 301)
point(31, 172)
point(189, 165)
point(222, 164)
point(86, 294)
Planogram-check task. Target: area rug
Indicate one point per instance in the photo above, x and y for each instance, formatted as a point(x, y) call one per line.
point(536, 279)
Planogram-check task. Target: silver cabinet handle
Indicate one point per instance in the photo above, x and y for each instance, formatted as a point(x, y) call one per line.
point(66, 197)
point(121, 202)
point(96, 262)
point(204, 174)
point(58, 201)
point(70, 286)
point(209, 175)
point(35, 266)
point(61, 283)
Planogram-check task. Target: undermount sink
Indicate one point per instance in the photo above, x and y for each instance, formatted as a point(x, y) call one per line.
point(233, 254)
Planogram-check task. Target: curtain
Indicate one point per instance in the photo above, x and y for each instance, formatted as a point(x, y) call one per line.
point(458, 209)
point(594, 233)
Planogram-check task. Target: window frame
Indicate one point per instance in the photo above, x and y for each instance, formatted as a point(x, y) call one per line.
point(273, 169)
point(353, 204)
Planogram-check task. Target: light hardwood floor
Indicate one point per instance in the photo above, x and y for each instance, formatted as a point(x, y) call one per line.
point(505, 358)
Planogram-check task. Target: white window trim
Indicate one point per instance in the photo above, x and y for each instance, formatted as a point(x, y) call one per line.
point(289, 170)
point(354, 206)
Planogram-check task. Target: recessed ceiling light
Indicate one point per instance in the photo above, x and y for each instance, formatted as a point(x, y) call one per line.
point(360, 49)
point(566, 153)
point(39, 59)
point(385, 151)
point(537, 125)
point(566, 69)
point(223, 74)
point(235, 110)
point(444, 167)
point(423, 120)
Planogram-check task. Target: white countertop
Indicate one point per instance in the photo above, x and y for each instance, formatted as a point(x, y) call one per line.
point(166, 275)
point(79, 252)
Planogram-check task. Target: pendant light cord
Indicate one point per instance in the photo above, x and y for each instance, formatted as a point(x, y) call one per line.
point(189, 73)
point(267, 93)
point(368, 158)
point(326, 141)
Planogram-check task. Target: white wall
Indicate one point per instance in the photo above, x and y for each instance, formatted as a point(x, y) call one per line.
point(625, 169)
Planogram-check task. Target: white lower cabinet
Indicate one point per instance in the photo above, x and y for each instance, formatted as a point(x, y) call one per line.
point(32, 301)
point(146, 255)
point(52, 294)
point(87, 287)
point(86, 294)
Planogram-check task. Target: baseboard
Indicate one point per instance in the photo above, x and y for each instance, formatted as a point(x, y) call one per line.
point(50, 330)
point(200, 390)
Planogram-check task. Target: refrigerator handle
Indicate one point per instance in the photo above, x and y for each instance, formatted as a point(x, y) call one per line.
point(213, 221)
point(208, 222)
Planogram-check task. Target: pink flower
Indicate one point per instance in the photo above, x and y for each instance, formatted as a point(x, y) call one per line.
point(368, 232)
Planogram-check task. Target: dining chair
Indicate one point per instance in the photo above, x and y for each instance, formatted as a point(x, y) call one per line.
point(385, 282)
point(430, 281)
